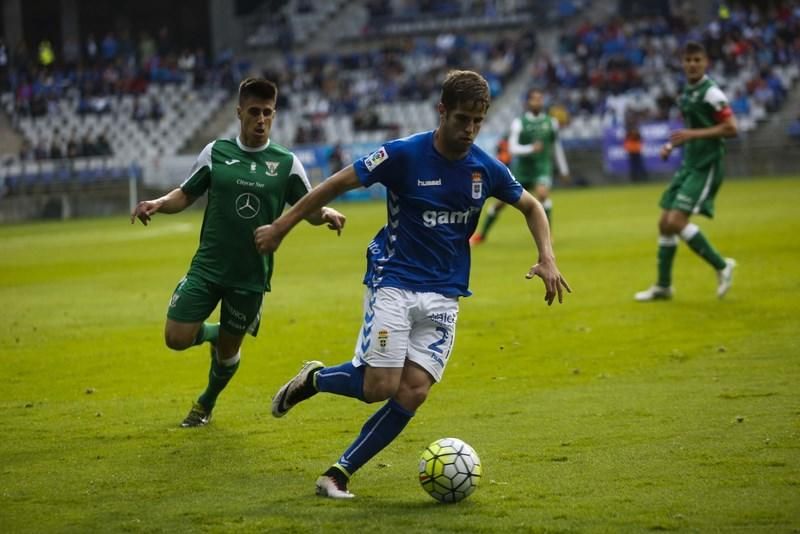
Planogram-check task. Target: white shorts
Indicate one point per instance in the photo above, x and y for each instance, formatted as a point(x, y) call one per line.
point(400, 324)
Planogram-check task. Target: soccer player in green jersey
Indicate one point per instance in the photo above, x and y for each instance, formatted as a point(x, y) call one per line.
point(708, 120)
point(249, 180)
point(533, 143)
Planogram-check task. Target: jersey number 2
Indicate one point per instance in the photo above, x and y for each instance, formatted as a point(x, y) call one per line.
point(436, 345)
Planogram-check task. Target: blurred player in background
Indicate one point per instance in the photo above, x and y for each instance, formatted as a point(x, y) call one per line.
point(249, 179)
point(417, 268)
point(503, 151)
point(533, 142)
point(708, 120)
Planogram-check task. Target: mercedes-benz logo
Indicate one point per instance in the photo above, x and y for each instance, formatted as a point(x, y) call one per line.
point(247, 205)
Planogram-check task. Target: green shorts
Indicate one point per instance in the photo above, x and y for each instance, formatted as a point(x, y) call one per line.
point(195, 298)
point(692, 190)
point(530, 182)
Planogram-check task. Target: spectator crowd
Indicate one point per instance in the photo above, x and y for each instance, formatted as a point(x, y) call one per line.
point(748, 44)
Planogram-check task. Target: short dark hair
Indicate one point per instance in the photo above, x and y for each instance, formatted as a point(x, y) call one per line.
point(534, 90)
point(694, 47)
point(465, 87)
point(259, 88)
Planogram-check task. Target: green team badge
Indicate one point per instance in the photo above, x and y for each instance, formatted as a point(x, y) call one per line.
point(272, 168)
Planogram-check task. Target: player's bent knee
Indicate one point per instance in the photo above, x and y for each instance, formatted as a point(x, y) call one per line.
point(378, 392)
point(667, 226)
point(673, 222)
point(378, 389)
point(178, 341)
point(381, 383)
point(412, 398)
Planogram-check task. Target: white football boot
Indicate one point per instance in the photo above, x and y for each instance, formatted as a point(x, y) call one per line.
point(725, 277)
point(295, 390)
point(329, 487)
point(653, 293)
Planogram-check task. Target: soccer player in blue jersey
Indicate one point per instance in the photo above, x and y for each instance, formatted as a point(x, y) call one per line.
point(417, 267)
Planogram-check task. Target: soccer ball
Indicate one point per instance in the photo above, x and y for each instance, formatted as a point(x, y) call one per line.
point(449, 470)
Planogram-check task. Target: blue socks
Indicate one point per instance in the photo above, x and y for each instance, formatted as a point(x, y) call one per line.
point(379, 430)
point(345, 379)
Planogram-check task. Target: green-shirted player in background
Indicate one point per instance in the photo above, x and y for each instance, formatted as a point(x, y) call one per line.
point(533, 143)
point(249, 180)
point(708, 120)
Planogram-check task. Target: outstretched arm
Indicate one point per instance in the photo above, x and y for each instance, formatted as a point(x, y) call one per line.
point(268, 237)
point(325, 215)
point(173, 202)
point(545, 267)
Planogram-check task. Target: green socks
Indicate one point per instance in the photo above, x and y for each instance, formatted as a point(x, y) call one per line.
point(667, 247)
point(696, 240)
point(208, 332)
point(218, 377)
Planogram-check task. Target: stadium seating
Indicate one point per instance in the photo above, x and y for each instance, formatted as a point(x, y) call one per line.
point(609, 69)
point(363, 71)
point(184, 111)
point(298, 22)
point(365, 95)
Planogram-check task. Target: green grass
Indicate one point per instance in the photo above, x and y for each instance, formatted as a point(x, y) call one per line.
point(597, 415)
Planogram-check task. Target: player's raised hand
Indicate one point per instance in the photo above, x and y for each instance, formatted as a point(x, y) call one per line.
point(334, 219)
point(554, 283)
point(666, 150)
point(267, 238)
point(144, 210)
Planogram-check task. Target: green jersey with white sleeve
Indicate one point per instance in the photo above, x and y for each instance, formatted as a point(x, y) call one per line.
point(247, 188)
point(703, 105)
point(531, 166)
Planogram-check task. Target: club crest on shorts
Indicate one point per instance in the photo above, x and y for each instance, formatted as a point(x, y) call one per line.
point(477, 185)
point(174, 300)
point(383, 337)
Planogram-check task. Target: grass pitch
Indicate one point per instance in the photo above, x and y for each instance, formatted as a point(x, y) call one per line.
point(597, 415)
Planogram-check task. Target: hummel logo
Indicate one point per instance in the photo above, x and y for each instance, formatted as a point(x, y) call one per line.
point(231, 161)
point(428, 183)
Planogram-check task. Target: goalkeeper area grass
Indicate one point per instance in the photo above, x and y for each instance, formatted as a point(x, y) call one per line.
point(597, 415)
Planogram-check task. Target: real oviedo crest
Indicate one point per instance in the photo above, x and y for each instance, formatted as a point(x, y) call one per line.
point(477, 185)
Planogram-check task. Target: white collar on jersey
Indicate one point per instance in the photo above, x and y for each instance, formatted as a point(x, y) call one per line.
point(249, 148)
point(531, 115)
point(698, 82)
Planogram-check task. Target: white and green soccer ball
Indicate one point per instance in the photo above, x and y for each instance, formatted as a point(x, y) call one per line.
point(449, 470)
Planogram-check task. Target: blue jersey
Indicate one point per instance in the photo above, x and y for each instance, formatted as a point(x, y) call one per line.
point(433, 205)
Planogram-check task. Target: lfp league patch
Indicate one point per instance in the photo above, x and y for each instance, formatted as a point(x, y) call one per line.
point(477, 185)
point(375, 159)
